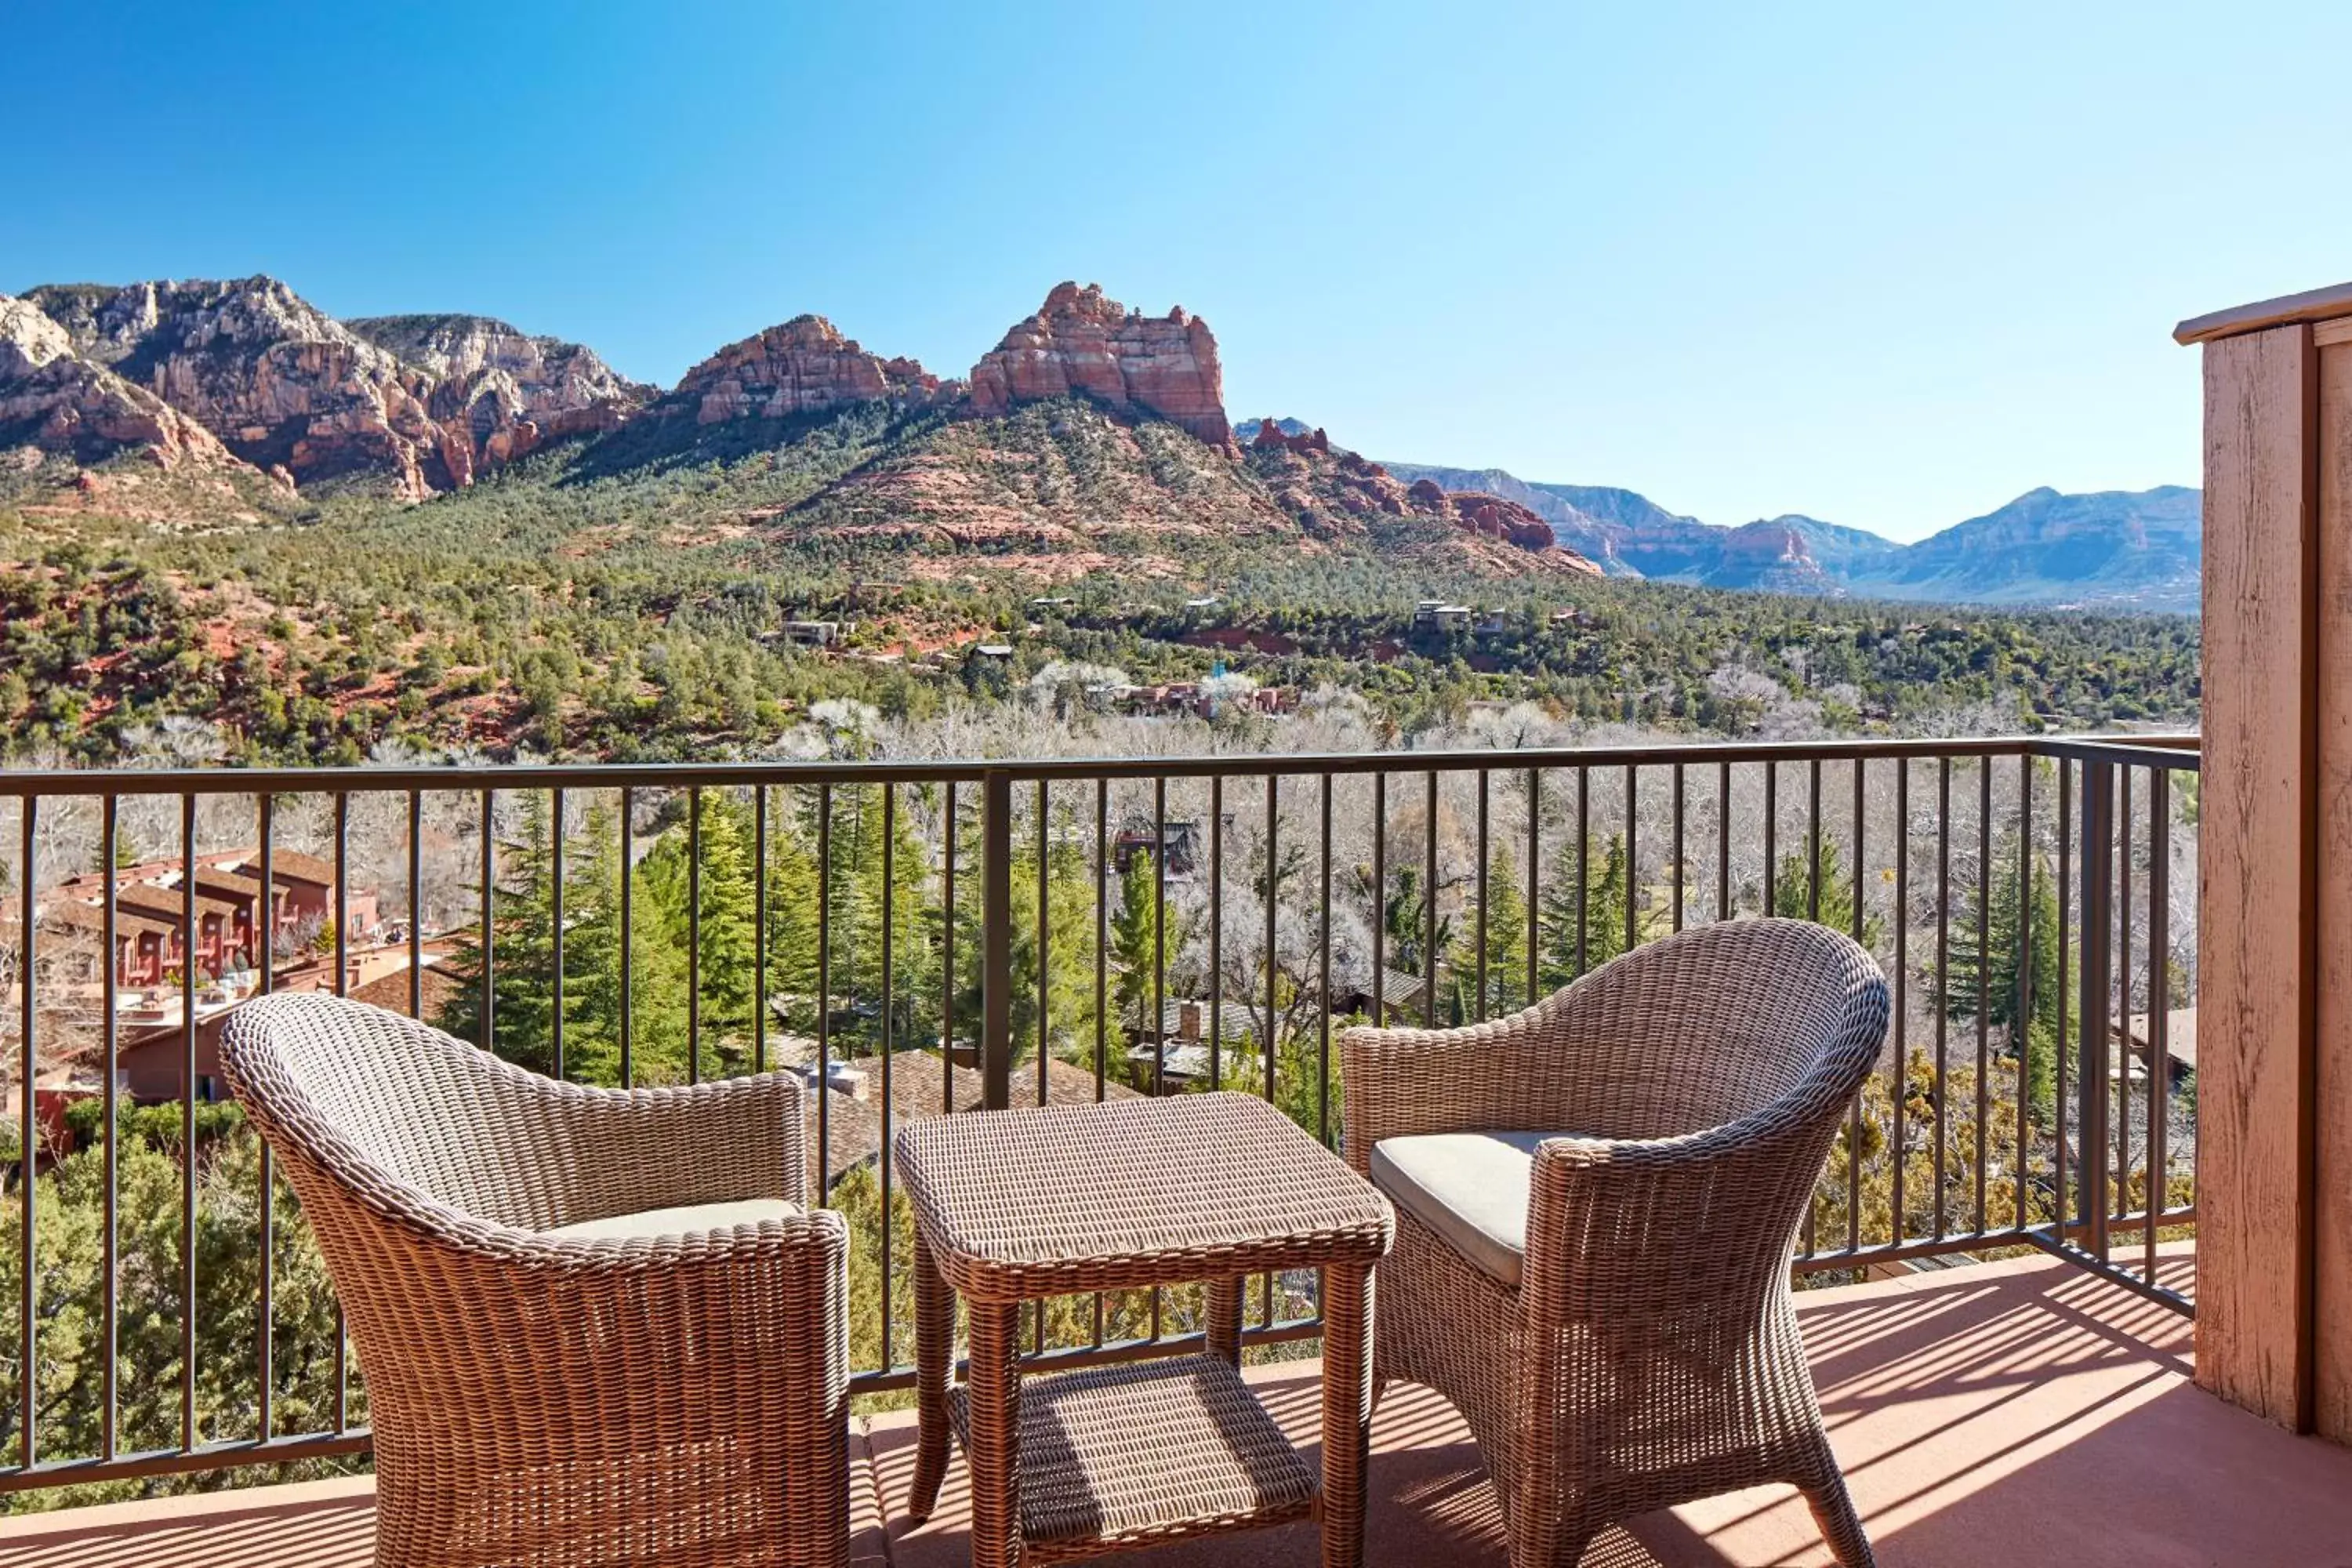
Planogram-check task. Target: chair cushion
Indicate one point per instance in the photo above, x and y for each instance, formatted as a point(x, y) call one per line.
point(1471, 1188)
point(681, 1221)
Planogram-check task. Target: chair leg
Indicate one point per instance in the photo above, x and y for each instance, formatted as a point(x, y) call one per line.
point(1840, 1526)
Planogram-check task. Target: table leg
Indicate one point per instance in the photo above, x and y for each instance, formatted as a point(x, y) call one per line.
point(1346, 1410)
point(1225, 1318)
point(934, 1352)
point(993, 1428)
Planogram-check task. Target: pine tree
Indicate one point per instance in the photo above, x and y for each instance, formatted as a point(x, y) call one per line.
point(521, 993)
point(1506, 939)
point(1987, 947)
point(1792, 893)
point(1565, 952)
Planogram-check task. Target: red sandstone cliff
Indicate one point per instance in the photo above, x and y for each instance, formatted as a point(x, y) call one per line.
point(800, 367)
point(1082, 341)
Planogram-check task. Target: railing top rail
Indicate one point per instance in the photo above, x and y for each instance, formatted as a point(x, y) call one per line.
point(2176, 750)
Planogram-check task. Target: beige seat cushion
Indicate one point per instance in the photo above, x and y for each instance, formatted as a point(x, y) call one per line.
point(1471, 1188)
point(682, 1221)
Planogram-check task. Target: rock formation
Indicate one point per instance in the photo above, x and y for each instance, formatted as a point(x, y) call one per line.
point(1272, 436)
point(1082, 341)
point(799, 367)
point(505, 389)
point(54, 399)
point(282, 385)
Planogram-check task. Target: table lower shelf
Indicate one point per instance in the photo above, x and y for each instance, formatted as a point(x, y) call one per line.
point(1120, 1456)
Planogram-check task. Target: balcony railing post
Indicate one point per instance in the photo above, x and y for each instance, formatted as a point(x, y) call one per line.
point(996, 940)
point(2098, 921)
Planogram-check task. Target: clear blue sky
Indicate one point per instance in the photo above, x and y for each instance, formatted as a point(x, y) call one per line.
point(1886, 264)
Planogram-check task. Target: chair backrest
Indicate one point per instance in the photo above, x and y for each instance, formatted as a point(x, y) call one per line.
point(1717, 1023)
point(380, 1101)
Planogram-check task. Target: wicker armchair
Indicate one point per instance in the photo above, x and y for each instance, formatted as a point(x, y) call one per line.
point(1596, 1202)
point(597, 1326)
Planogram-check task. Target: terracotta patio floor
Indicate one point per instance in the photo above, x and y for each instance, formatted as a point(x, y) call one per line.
point(2015, 1413)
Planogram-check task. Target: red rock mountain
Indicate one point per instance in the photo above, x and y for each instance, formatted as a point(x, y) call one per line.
point(283, 385)
point(1082, 341)
point(53, 400)
point(800, 367)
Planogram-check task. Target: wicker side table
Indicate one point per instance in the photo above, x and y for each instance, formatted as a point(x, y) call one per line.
point(1013, 1206)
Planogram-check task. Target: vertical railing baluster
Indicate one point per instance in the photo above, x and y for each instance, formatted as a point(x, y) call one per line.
point(487, 1025)
point(1633, 852)
point(1984, 995)
point(2159, 1003)
point(1102, 964)
point(1583, 862)
point(2098, 981)
point(1479, 936)
point(759, 964)
point(265, 943)
point(1772, 835)
point(1273, 972)
point(415, 904)
point(555, 928)
point(1323, 940)
point(1160, 958)
point(1045, 967)
point(889, 904)
point(947, 949)
point(996, 940)
point(1216, 931)
point(824, 990)
point(694, 945)
point(1102, 976)
point(1900, 1024)
point(27, 1140)
point(1535, 883)
point(1379, 898)
point(1943, 985)
point(1860, 930)
point(2060, 1105)
point(2120, 1050)
point(342, 988)
point(628, 1030)
point(111, 1046)
point(2020, 1028)
point(1678, 846)
point(1722, 842)
point(1429, 904)
point(1813, 841)
point(188, 1112)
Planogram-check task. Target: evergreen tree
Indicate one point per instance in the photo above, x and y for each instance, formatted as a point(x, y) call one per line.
point(520, 1001)
point(1506, 939)
point(1604, 902)
point(1987, 948)
point(1792, 899)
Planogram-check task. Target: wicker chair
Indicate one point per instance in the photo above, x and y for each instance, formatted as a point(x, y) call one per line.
point(1596, 1202)
point(597, 1326)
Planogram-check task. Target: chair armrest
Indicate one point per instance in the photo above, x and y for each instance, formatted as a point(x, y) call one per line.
point(1629, 1229)
point(1506, 1073)
point(624, 1151)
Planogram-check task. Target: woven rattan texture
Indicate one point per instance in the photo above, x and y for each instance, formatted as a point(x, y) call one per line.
point(1120, 1456)
point(678, 1399)
point(1650, 1354)
point(1023, 1203)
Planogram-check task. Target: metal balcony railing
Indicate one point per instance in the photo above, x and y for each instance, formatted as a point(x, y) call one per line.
point(922, 937)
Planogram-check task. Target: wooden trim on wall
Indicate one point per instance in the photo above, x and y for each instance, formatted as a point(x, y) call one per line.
point(2257, 875)
point(2312, 305)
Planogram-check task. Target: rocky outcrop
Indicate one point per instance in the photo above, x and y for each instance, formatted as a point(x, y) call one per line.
point(414, 404)
point(800, 367)
point(54, 399)
point(1336, 494)
point(504, 390)
point(1082, 341)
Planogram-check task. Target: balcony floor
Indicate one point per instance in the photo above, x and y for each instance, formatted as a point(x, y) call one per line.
point(2018, 1410)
